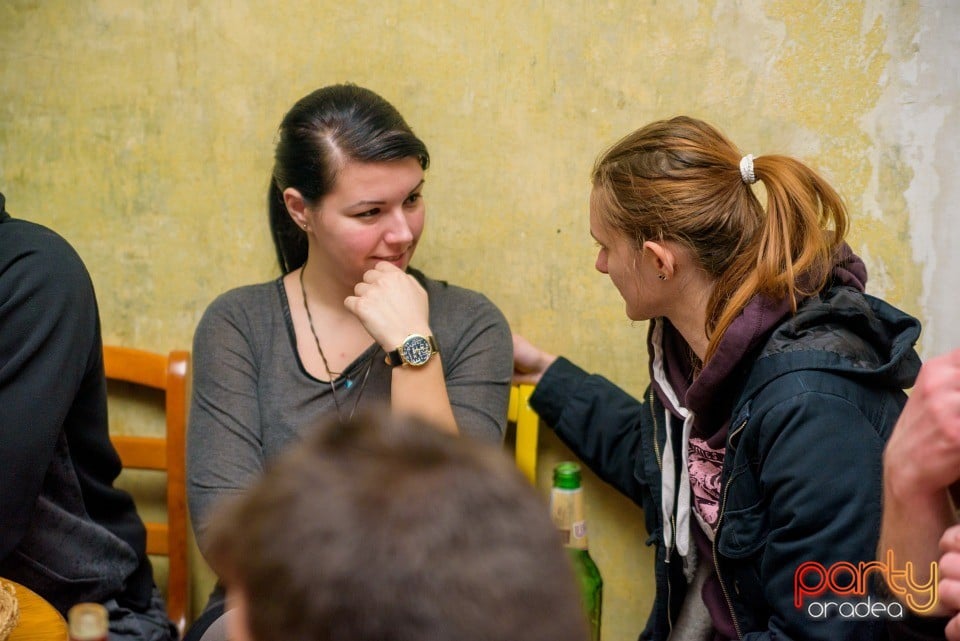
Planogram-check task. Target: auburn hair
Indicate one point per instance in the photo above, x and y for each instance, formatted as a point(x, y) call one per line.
point(679, 180)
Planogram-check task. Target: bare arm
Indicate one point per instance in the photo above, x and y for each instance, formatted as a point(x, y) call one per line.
point(391, 304)
point(921, 462)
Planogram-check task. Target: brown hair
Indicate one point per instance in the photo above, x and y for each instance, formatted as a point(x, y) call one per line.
point(385, 529)
point(679, 180)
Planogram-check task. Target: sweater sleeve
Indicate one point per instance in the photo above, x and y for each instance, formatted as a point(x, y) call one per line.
point(477, 352)
point(49, 332)
point(224, 442)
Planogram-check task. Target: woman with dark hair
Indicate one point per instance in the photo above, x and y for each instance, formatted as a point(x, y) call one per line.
point(349, 324)
point(775, 382)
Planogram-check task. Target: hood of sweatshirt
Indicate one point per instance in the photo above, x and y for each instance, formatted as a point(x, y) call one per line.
point(841, 329)
point(710, 395)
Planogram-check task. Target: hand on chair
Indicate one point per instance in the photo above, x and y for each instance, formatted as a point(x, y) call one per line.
point(529, 361)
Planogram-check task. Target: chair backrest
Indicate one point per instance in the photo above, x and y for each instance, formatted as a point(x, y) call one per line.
point(527, 424)
point(169, 373)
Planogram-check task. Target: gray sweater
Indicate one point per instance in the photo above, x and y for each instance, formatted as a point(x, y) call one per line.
point(252, 396)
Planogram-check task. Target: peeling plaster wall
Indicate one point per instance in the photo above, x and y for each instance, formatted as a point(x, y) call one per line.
point(916, 120)
point(143, 132)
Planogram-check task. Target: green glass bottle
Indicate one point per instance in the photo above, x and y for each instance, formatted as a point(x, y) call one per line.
point(566, 510)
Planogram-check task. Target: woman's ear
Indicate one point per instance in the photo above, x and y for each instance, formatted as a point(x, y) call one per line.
point(664, 258)
point(296, 207)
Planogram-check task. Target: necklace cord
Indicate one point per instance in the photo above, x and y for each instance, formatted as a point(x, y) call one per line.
point(326, 366)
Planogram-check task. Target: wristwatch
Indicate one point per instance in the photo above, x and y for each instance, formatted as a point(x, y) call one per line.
point(415, 350)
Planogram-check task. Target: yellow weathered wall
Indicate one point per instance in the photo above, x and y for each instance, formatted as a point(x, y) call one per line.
point(143, 132)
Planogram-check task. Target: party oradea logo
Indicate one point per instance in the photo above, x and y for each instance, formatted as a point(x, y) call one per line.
point(843, 589)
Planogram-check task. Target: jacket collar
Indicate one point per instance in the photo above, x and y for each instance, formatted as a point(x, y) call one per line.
point(710, 396)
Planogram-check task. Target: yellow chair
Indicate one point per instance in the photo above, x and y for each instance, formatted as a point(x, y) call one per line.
point(169, 373)
point(527, 425)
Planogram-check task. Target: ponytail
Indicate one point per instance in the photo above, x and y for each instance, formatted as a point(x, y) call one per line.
point(792, 254)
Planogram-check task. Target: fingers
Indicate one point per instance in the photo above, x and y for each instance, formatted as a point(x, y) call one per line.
point(380, 270)
point(529, 361)
point(391, 304)
point(924, 449)
point(519, 378)
point(950, 540)
point(949, 567)
point(952, 630)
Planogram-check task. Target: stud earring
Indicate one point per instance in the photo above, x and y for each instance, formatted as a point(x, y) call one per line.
point(662, 276)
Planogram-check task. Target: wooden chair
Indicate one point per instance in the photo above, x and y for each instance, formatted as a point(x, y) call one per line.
point(527, 427)
point(168, 373)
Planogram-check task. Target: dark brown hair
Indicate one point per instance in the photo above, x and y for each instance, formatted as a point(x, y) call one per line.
point(319, 134)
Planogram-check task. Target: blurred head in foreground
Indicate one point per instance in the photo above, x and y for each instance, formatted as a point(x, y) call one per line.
point(384, 529)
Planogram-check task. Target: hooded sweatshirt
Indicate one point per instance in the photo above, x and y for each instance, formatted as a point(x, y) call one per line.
point(831, 373)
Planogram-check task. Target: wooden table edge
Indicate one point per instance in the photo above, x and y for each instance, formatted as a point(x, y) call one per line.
point(39, 621)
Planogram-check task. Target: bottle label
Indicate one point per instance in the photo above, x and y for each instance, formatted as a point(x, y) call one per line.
point(579, 530)
point(566, 508)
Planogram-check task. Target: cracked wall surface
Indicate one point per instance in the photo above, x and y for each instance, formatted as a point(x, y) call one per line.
point(143, 132)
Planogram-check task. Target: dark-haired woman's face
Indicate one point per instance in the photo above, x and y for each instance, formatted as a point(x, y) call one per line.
point(374, 213)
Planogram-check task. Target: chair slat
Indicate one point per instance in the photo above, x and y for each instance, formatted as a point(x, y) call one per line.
point(169, 373)
point(141, 452)
point(157, 539)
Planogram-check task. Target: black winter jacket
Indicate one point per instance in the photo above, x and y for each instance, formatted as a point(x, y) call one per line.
point(802, 469)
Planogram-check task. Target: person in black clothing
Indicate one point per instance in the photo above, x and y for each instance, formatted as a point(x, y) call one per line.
point(65, 531)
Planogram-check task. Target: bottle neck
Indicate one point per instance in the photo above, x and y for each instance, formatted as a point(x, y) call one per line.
point(88, 622)
point(566, 510)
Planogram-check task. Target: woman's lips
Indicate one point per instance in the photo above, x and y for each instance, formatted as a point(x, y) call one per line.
point(397, 259)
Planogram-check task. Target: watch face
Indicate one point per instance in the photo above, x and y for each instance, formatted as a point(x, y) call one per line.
point(416, 350)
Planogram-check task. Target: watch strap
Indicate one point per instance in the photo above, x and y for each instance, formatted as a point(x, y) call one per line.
point(393, 358)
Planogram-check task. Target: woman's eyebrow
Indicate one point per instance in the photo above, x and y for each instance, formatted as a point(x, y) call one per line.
point(364, 203)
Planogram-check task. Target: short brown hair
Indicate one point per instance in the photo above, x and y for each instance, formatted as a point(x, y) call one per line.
point(385, 529)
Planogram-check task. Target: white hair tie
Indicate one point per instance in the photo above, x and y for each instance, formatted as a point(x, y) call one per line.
point(746, 169)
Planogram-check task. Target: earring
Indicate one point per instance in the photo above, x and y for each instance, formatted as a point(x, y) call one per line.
point(305, 226)
point(662, 276)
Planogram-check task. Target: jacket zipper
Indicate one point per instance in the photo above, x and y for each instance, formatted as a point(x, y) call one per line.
point(673, 523)
point(716, 563)
point(656, 445)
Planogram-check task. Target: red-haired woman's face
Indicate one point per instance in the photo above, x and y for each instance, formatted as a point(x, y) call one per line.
point(618, 258)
